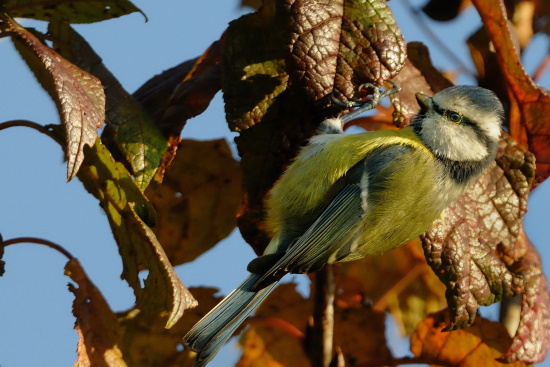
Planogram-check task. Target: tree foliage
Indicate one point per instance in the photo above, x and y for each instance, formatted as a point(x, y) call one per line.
point(169, 200)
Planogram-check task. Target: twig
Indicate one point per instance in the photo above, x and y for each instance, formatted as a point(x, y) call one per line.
point(435, 39)
point(33, 125)
point(38, 241)
point(541, 69)
point(319, 345)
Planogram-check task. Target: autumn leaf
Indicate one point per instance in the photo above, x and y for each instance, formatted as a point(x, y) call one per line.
point(337, 46)
point(197, 202)
point(78, 95)
point(79, 11)
point(479, 345)
point(129, 214)
point(98, 330)
point(180, 93)
point(277, 332)
point(405, 285)
point(529, 103)
point(131, 135)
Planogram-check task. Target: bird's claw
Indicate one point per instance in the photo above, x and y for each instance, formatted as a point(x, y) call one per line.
point(366, 105)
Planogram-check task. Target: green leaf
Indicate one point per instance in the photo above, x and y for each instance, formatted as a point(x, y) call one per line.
point(129, 214)
point(78, 95)
point(70, 11)
point(130, 133)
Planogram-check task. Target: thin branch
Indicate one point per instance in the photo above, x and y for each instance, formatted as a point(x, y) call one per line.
point(438, 42)
point(541, 69)
point(320, 341)
point(38, 241)
point(33, 125)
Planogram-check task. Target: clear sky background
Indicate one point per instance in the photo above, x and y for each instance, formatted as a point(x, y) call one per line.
point(36, 324)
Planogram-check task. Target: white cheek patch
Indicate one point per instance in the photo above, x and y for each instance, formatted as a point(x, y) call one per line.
point(453, 141)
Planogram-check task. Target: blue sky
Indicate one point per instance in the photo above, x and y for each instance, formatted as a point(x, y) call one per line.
point(36, 324)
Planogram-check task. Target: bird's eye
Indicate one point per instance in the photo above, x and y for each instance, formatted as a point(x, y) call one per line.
point(453, 116)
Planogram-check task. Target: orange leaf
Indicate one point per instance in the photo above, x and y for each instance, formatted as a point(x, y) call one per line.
point(529, 103)
point(479, 345)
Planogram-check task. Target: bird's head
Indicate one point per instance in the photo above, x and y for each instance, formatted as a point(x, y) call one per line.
point(460, 123)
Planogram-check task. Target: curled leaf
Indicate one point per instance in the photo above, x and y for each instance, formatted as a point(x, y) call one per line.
point(78, 95)
point(129, 214)
point(98, 330)
point(131, 135)
point(529, 103)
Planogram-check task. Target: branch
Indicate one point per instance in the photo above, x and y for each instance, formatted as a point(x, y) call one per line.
point(319, 343)
point(38, 241)
point(33, 125)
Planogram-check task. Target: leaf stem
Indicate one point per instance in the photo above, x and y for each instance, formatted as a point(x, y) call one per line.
point(38, 241)
point(33, 125)
point(319, 345)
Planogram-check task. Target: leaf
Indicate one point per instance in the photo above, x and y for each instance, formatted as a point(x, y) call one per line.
point(78, 95)
point(70, 11)
point(337, 46)
point(147, 343)
point(465, 245)
point(444, 10)
point(478, 249)
point(532, 339)
point(179, 94)
point(529, 103)
point(276, 335)
point(409, 290)
point(128, 212)
point(479, 345)
point(198, 200)
point(130, 133)
point(97, 326)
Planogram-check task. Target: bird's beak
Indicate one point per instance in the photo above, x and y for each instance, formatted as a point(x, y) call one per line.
point(424, 101)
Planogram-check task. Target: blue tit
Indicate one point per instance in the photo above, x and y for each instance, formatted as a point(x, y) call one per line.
point(346, 196)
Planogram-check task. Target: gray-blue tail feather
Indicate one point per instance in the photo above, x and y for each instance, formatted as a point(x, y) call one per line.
point(216, 327)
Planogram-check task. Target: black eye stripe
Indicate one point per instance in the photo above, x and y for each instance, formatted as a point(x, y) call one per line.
point(443, 112)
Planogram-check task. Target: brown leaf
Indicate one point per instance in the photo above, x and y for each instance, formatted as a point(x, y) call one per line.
point(97, 326)
point(130, 134)
point(78, 95)
point(70, 11)
point(532, 338)
point(197, 203)
point(405, 285)
point(465, 245)
point(147, 343)
point(479, 345)
point(529, 103)
point(276, 335)
point(337, 46)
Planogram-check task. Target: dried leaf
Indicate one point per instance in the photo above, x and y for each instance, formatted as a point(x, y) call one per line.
point(465, 244)
point(78, 95)
point(529, 103)
point(147, 343)
point(70, 11)
point(406, 286)
point(97, 326)
point(130, 134)
point(532, 339)
point(128, 212)
point(197, 202)
point(479, 345)
point(179, 94)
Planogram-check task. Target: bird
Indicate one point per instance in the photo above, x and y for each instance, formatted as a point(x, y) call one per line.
point(347, 196)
